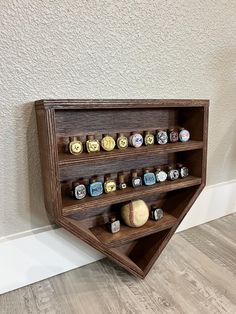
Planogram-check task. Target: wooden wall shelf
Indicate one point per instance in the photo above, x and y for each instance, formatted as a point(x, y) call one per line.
point(135, 249)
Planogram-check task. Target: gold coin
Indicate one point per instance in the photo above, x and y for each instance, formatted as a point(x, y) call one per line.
point(149, 139)
point(75, 147)
point(122, 142)
point(93, 146)
point(109, 186)
point(108, 143)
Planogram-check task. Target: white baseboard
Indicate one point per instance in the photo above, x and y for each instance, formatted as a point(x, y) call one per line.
point(214, 202)
point(42, 253)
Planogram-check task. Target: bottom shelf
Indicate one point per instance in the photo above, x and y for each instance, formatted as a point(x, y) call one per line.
point(136, 256)
point(135, 249)
point(127, 234)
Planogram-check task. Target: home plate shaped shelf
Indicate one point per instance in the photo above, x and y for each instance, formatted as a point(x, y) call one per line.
point(61, 121)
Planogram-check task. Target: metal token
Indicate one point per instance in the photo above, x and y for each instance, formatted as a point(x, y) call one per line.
point(161, 176)
point(136, 140)
point(109, 186)
point(113, 225)
point(79, 191)
point(173, 136)
point(122, 142)
point(122, 186)
point(108, 143)
point(156, 213)
point(75, 147)
point(162, 137)
point(95, 188)
point(121, 179)
point(183, 172)
point(184, 135)
point(149, 178)
point(93, 146)
point(149, 139)
point(173, 174)
point(137, 181)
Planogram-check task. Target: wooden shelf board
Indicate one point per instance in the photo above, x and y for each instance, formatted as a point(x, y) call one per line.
point(78, 227)
point(86, 158)
point(71, 206)
point(93, 104)
point(127, 234)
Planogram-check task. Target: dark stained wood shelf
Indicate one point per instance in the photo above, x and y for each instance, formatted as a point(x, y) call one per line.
point(86, 158)
point(127, 234)
point(71, 206)
point(135, 249)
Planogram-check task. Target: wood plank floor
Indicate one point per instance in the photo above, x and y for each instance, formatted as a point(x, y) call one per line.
point(196, 273)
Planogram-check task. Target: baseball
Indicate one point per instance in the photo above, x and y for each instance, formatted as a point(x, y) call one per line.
point(135, 213)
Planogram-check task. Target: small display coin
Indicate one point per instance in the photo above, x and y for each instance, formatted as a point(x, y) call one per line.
point(161, 175)
point(109, 186)
point(75, 147)
point(122, 185)
point(122, 141)
point(162, 137)
point(184, 135)
point(92, 145)
point(113, 225)
point(173, 174)
point(95, 188)
point(108, 143)
point(156, 213)
point(149, 139)
point(136, 140)
point(136, 180)
point(173, 136)
point(79, 191)
point(149, 178)
point(183, 171)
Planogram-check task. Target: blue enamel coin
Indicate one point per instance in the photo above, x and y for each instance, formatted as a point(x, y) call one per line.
point(149, 178)
point(95, 188)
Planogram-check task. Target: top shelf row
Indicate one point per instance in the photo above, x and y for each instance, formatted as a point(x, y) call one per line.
point(84, 158)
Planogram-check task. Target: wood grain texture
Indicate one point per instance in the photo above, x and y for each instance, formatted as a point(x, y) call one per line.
point(124, 164)
point(112, 121)
point(60, 119)
point(49, 162)
point(118, 103)
point(186, 279)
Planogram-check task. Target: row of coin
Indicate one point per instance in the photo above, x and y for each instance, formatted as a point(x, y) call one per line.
point(97, 187)
point(108, 143)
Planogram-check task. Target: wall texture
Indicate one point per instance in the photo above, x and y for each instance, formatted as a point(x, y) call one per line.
point(108, 49)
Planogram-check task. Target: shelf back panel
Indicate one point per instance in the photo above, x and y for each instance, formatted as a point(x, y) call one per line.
point(80, 122)
point(110, 167)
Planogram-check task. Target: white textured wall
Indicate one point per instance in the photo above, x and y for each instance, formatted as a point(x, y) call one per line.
point(108, 49)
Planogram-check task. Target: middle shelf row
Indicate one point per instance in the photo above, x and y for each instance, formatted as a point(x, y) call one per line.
point(71, 206)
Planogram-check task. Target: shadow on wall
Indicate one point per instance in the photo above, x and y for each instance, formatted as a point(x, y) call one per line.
point(36, 198)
